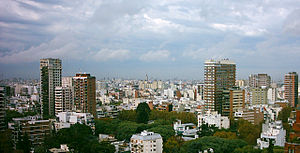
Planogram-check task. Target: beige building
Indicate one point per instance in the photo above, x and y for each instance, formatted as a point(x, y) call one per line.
point(259, 96)
point(146, 142)
point(218, 75)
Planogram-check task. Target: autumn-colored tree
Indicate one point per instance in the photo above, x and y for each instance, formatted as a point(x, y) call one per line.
point(248, 132)
point(225, 134)
point(173, 144)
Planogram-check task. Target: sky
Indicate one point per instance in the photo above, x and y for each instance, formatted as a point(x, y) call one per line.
point(166, 39)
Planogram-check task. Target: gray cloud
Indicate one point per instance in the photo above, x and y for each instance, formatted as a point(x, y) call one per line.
point(155, 30)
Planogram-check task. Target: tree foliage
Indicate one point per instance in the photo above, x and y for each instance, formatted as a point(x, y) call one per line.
point(166, 131)
point(185, 117)
point(173, 144)
point(219, 145)
point(225, 134)
point(206, 130)
point(284, 114)
point(5, 142)
point(79, 138)
point(245, 130)
point(247, 149)
point(142, 113)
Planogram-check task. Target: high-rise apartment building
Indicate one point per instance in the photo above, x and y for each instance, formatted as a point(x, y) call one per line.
point(218, 76)
point(85, 93)
point(259, 80)
point(63, 99)
point(50, 76)
point(64, 96)
point(233, 100)
point(291, 88)
point(2, 108)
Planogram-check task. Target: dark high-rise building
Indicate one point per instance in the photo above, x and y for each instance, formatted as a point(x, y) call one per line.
point(291, 88)
point(85, 93)
point(2, 108)
point(218, 76)
point(50, 76)
point(233, 100)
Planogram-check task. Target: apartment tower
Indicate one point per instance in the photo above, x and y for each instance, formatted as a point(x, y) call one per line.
point(219, 75)
point(259, 80)
point(233, 100)
point(50, 76)
point(64, 96)
point(291, 88)
point(85, 93)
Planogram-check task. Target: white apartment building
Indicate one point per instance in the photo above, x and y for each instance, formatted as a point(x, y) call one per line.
point(63, 99)
point(273, 131)
point(146, 142)
point(213, 118)
point(66, 119)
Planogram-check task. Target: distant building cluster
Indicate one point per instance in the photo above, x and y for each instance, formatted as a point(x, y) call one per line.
point(216, 99)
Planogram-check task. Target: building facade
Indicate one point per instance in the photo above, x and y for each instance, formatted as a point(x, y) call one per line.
point(233, 100)
point(291, 88)
point(50, 77)
point(272, 131)
point(149, 142)
point(63, 99)
point(2, 108)
point(213, 118)
point(85, 94)
point(218, 75)
point(33, 127)
point(259, 96)
point(259, 80)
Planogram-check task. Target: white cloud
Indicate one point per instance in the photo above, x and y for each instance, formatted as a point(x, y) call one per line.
point(108, 54)
point(243, 29)
point(158, 55)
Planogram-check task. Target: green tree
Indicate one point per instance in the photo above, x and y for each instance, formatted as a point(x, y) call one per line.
point(284, 114)
point(248, 131)
point(173, 144)
point(219, 145)
point(128, 115)
point(206, 130)
point(225, 134)
point(24, 143)
point(166, 131)
point(125, 130)
point(5, 142)
point(143, 113)
point(271, 146)
point(247, 149)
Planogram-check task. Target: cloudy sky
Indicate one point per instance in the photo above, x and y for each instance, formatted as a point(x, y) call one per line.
point(164, 38)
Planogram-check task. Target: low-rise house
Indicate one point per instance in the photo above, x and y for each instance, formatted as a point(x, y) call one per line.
point(188, 131)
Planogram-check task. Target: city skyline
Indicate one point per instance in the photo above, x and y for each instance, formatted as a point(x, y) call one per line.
point(163, 39)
